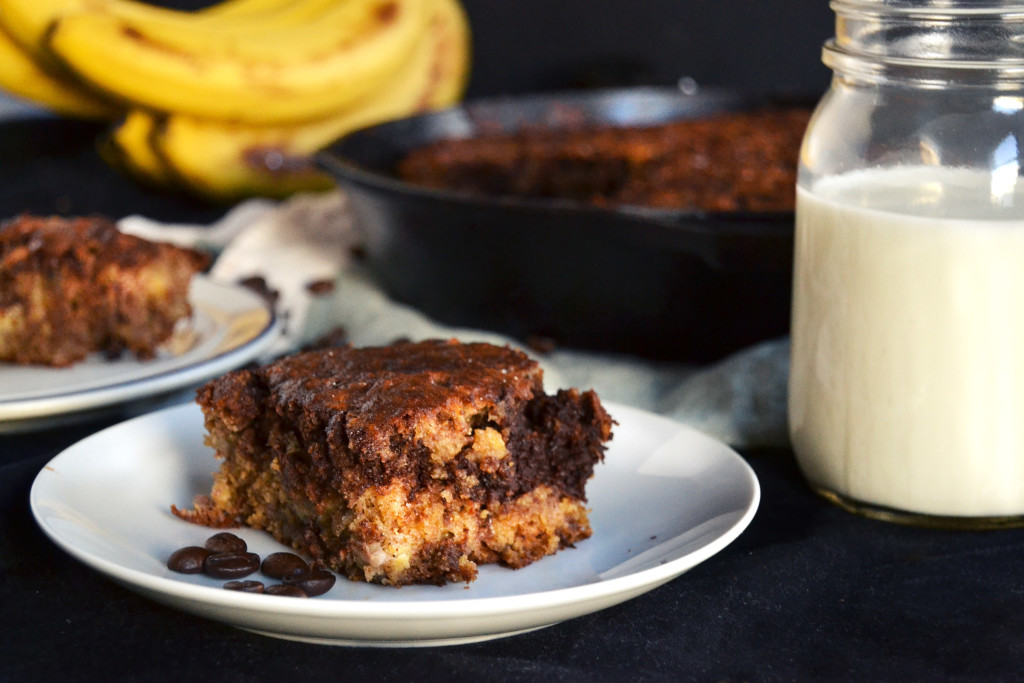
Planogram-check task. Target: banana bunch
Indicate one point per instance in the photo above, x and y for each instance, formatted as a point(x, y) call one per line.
point(232, 100)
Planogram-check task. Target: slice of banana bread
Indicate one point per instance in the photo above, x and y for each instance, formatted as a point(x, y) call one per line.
point(72, 286)
point(408, 463)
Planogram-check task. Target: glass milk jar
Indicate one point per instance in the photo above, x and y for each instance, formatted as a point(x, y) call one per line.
point(907, 369)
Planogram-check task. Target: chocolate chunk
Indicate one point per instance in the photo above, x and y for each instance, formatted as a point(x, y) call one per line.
point(320, 287)
point(315, 582)
point(246, 586)
point(226, 542)
point(336, 336)
point(288, 591)
point(259, 285)
point(541, 344)
point(232, 565)
point(281, 565)
point(188, 560)
point(225, 557)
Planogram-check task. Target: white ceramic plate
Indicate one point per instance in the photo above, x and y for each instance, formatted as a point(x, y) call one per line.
point(230, 325)
point(666, 499)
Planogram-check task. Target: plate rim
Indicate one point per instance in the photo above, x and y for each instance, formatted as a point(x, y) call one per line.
point(606, 592)
point(158, 382)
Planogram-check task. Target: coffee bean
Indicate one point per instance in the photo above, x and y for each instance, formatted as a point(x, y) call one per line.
point(288, 591)
point(244, 586)
point(226, 542)
point(280, 565)
point(226, 557)
point(188, 560)
point(315, 582)
point(232, 565)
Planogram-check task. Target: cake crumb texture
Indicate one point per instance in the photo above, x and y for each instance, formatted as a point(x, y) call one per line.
point(402, 464)
point(729, 161)
point(73, 286)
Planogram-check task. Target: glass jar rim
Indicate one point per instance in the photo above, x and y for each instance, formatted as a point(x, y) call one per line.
point(930, 9)
point(924, 72)
point(954, 34)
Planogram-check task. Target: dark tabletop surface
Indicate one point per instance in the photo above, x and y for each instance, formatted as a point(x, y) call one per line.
point(807, 592)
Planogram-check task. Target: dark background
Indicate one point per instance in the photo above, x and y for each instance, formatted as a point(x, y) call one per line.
point(538, 45)
point(519, 46)
point(530, 45)
point(807, 593)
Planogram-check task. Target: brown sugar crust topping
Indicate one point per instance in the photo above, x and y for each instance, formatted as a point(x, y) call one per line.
point(70, 286)
point(81, 245)
point(737, 161)
point(410, 463)
point(368, 403)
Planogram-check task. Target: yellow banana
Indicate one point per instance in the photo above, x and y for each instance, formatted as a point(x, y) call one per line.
point(129, 147)
point(301, 72)
point(21, 75)
point(29, 71)
point(244, 28)
point(27, 21)
point(264, 16)
point(245, 10)
point(452, 54)
point(224, 161)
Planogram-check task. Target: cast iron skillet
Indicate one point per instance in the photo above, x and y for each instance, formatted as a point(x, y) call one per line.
point(660, 284)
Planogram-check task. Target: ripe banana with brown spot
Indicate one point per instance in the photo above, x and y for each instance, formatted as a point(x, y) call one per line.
point(301, 72)
point(28, 21)
point(247, 10)
point(28, 70)
point(223, 158)
point(225, 161)
point(21, 75)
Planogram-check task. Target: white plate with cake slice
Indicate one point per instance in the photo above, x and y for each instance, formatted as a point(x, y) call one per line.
point(230, 325)
point(666, 498)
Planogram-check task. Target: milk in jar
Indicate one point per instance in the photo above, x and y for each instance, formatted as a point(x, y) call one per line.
point(907, 374)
